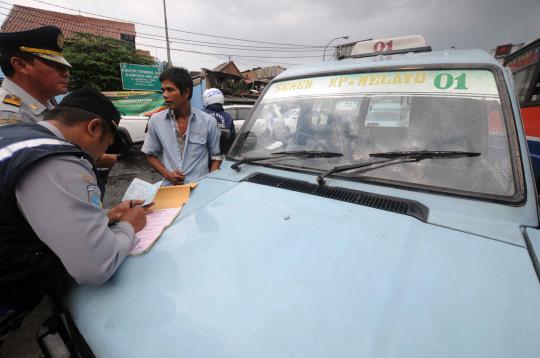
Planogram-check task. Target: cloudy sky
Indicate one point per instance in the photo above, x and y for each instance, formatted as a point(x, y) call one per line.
point(289, 32)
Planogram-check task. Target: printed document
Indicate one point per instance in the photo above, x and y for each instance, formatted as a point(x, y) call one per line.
point(141, 190)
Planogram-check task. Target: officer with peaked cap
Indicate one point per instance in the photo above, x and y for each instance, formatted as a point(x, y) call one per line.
point(53, 228)
point(35, 71)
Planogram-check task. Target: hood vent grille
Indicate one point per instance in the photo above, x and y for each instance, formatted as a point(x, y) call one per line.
point(383, 202)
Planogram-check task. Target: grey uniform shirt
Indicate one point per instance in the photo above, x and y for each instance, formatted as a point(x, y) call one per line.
point(28, 108)
point(59, 197)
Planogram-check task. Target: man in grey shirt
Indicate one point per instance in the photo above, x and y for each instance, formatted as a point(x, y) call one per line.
point(53, 228)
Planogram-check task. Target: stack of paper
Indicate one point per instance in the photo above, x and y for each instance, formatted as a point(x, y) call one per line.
point(156, 222)
point(168, 204)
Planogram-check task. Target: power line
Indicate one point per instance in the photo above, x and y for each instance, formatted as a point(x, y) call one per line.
point(154, 46)
point(253, 64)
point(255, 49)
point(223, 54)
point(155, 37)
point(202, 52)
point(180, 30)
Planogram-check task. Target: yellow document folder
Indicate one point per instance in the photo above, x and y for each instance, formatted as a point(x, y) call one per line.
point(172, 196)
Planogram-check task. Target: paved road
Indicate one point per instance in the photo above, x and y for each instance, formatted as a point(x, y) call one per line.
point(22, 343)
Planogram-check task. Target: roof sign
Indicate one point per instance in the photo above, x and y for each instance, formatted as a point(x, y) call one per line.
point(462, 83)
point(391, 45)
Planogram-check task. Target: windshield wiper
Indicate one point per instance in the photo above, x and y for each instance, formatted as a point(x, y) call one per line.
point(399, 157)
point(425, 154)
point(310, 153)
point(294, 153)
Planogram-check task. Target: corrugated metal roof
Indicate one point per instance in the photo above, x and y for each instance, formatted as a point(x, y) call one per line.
point(23, 18)
point(229, 68)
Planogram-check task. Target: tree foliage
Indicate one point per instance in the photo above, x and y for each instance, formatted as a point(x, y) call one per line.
point(96, 61)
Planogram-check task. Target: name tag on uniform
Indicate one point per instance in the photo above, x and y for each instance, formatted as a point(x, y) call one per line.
point(94, 196)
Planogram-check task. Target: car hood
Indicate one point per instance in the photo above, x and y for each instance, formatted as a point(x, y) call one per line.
point(263, 272)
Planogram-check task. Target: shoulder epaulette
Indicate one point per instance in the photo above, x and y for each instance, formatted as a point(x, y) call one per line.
point(12, 99)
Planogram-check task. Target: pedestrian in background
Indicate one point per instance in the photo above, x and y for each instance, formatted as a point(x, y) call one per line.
point(182, 139)
point(213, 100)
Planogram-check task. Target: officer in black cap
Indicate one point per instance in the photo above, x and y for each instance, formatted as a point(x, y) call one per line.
point(53, 228)
point(35, 71)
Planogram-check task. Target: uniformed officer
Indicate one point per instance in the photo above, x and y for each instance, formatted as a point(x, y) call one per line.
point(36, 71)
point(53, 228)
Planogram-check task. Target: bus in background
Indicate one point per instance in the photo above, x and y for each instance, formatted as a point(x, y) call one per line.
point(525, 66)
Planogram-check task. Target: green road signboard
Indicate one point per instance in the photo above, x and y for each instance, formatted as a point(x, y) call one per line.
point(140, 77)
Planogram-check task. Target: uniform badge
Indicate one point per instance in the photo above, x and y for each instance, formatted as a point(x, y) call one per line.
point(12, 99)
point(94, 196)
point(33, 107)
point(60, 41)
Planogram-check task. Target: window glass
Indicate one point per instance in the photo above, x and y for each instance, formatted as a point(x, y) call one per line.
point(359, 114)
point(243, 113)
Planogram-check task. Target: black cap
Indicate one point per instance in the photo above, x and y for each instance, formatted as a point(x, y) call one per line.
point(46, 42)
point(95, 102)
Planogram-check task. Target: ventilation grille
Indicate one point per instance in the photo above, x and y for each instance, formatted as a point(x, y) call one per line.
point(383, 202)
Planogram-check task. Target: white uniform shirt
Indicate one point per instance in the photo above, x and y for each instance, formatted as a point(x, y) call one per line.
point(17, 105)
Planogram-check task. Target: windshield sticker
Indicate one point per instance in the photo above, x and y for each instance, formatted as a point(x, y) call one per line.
point(445, 82)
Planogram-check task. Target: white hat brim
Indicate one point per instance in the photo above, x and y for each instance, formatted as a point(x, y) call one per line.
point(57, 59)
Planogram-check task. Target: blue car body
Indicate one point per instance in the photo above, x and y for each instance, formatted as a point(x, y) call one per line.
point(253, 269)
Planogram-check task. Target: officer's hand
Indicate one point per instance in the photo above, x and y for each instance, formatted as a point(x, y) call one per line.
point(136, 216)
point(116, 212)
point(175, 177)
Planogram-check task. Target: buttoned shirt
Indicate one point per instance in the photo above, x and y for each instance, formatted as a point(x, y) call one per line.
point(17, 105)
point(201, 143)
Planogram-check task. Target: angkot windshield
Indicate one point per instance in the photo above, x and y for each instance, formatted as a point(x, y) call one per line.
point(359, 114)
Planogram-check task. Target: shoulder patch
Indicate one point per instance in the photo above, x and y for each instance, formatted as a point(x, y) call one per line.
point(94, 196)
point(12, 99)
point(9, 115)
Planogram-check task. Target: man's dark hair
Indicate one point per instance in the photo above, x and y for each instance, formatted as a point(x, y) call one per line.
point(5, 63)
point(71, 116)
point(180, 77)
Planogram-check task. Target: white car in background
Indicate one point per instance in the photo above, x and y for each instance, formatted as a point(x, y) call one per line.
point(135, 127)
point(239, 113)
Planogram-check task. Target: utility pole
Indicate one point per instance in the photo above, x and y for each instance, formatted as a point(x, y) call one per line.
point(329, 42)
point(169, 63)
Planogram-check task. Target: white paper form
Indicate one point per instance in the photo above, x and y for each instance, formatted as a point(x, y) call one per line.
point(156, 222)
point(141, 190)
